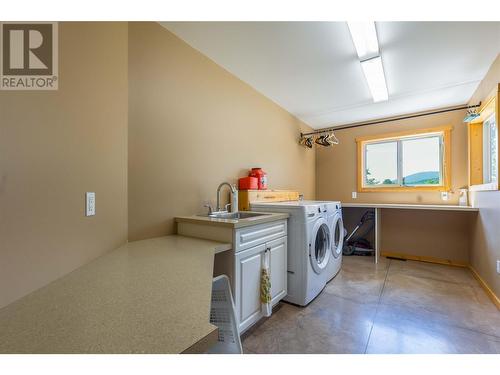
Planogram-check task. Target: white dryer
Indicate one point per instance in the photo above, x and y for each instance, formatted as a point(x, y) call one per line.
point(309, 247)
point(336, 224)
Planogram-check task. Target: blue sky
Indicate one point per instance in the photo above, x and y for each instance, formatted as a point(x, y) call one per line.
point(419, 155)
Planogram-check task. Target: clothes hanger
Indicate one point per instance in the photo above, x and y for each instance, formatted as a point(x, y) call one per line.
point(325, 139)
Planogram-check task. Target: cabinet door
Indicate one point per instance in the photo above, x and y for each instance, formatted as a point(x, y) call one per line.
point(248, 269)
point(278, 268)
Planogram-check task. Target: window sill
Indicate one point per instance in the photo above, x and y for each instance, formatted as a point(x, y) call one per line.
point(403, 189)
point(484, 187)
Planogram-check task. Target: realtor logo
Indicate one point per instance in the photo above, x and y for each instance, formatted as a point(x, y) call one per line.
point(28, 56)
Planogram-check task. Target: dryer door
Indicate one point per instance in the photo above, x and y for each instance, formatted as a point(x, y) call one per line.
point(337, 235)
point(320, 246)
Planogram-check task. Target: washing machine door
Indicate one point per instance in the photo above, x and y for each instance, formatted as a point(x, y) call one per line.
point(337, 235)
point(320, 245)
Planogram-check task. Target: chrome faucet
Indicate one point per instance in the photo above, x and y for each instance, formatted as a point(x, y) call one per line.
point(234, 198)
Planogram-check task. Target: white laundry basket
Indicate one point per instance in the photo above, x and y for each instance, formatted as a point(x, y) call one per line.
point(222, 314)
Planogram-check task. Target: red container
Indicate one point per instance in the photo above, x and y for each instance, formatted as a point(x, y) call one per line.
point(248, 183)
point(261, 175)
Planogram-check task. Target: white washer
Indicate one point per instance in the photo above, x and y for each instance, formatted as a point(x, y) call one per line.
point(336, 224)
point(309, 247)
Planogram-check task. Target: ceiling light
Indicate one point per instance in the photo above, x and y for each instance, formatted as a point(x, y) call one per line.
point(364, 36)
point(374, 74)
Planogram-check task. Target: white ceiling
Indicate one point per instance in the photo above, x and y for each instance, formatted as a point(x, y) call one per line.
point(311, 68)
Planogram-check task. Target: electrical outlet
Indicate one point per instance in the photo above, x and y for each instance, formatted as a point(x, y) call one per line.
point(90, 204)
point(354, 195)
point(498, 266)
point(444, 195)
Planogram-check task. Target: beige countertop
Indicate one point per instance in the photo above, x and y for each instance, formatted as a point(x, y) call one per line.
point(435, 207)
point(150, 296)
point(240, 223)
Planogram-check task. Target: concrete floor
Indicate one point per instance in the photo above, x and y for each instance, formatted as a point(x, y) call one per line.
point(392, 307)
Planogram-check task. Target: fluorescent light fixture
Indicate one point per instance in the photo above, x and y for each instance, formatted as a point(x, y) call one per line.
point(374, 74)
point(364, 36)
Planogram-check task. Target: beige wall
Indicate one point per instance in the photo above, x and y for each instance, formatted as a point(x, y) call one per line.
point(434, 234)
point(55, 146)
point(485, 244)
point(336, 167)
point(429, 233)
point(193, 125)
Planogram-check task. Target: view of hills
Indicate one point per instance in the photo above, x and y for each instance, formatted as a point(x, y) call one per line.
point(420, 178)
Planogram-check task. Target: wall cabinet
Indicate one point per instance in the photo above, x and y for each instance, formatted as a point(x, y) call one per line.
point(248, 267)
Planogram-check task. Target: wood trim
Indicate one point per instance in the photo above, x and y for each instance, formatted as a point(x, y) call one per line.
point(486, 111)
point(359, 152)
point(406, 133)
point(446, 186)
point(475, 153)
point(423, 258)
point(488, 107)
point(447, 160)
point(475, 141)
point(494, 298)
point(497, 122)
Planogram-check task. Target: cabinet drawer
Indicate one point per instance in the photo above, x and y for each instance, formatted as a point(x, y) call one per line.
point(253, 236)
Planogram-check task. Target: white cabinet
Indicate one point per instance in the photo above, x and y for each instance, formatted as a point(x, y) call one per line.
point(278, 249)
point(248, 269)
point(243, 265)
point(270, 238)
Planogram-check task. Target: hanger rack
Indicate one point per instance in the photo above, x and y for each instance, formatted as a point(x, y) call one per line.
point(325, 138)
point(318, 133)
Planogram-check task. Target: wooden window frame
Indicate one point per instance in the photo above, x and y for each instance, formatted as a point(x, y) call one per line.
point(445, 131)
point(475, 142)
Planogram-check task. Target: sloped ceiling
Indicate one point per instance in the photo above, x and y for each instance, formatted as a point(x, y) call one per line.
point(311, 68)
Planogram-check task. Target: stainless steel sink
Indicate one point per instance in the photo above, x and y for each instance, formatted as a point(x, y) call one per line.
point(236, 215)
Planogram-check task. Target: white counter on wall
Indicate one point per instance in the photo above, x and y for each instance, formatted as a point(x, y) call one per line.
point(435, 207)
point(378, 207)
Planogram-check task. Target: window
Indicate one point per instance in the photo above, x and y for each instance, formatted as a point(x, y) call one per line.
point(405, 161)
point(490, 150)
point(483, 145)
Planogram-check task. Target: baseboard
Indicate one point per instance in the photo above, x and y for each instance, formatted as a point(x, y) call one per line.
point(486, 287)
point(423, 258)
point(494, 298)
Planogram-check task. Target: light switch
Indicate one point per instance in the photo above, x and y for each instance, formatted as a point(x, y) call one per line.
point(444, 195)
point(498, 266)
point(90, 204)
point(354, 195)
